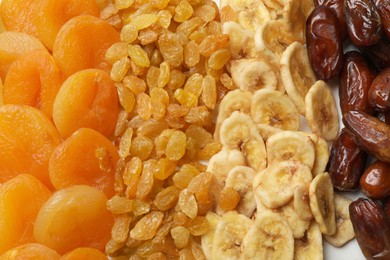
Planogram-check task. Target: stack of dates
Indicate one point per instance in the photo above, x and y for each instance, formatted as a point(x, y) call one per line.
point(364, 92)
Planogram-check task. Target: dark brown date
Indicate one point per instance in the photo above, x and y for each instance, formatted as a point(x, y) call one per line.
point(371, 228)
point(378, 54)
point(338, 7)
point(364, 24)
point(346, 162)
point(324, 43)
point(355, 81)
point(383, 7)
point(379, 93)
point(371, 134)
point(375, 182)
point(386, 208)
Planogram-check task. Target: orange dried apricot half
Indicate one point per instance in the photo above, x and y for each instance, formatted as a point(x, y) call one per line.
point(20, 200)
point(74, 217)
point(85, 253)
point(82, 42)
point(34, 80)
point(86, 157)
point(27, 139)
point(89, 99)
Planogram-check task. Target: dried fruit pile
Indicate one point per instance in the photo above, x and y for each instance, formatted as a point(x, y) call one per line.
point(58, 110)
point(364, 93)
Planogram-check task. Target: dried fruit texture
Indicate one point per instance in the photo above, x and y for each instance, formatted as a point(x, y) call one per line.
point(84, 253)
point(17, 220)
point(91, 97)
point(74, 217)
point(31, 251)
point(170, 59)
point(27, 141)
point(86, 157)
point(82, 42)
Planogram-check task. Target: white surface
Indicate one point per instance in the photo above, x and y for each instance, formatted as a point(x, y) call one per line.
point(351, 250)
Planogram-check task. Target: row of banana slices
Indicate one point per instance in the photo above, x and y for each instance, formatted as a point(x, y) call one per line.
point(287, 202)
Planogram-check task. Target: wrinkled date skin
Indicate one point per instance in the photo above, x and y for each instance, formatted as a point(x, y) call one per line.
point(383, 7)
point(371, 228)
point(371, 134)
point(378, 54)
point(338, 7)
point(346, 162)
point(386, 208)
point(375, 182)
point(324, 43)
point(355, 81)
point(379, 93)
point(364, 24)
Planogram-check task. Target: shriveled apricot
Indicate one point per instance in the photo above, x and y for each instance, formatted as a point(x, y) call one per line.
point(74, 217)
point(31, 251)
point(18, 15)
point(82, 42)
point(88, 98)
point(27, 139)
point(52, 14)
point(86, 157)
point(34, 80)
point(14, 44)
point(85, 253)
point(20, 200)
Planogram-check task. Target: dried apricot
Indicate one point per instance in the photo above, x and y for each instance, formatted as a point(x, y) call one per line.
point(34, 80)
point(27, 139)
point(13, 45)
point(85, 253)
point(18, 15)
point(82, 42)
point(86, 157)
point(20, 200)
point(53, 14)
point(74, 217)
point(88, 98)
point(31, 251)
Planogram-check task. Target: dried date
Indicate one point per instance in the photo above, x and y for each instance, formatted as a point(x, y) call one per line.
point(375, 182)
point(324, 43)
point(383, 7)
point(379, 93)
point(371, 134)
point(378, 54)
point(371, 228)
point(338, 7)
point(355, 81)
point(364, 24)
point(346, 162)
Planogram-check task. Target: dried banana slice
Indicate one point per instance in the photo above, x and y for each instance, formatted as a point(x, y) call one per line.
point(273, 108)
point(274, 36)
point(321, 148)
point(269, 238)
point(344, 228)
point(250, 13)
point(297, 75)
point(310, 245)
point(240, 178)
point(207, 239)
point(241, 40)
point(238, 131)
point(322, 203)
point(321, 111)
point(275, 185)
point(298, 226)
point(229, 234)
point(301, 202)
point(294, 16)
point(236, 100)
point(253, 74)
point(220, 164)
point(289, 145)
